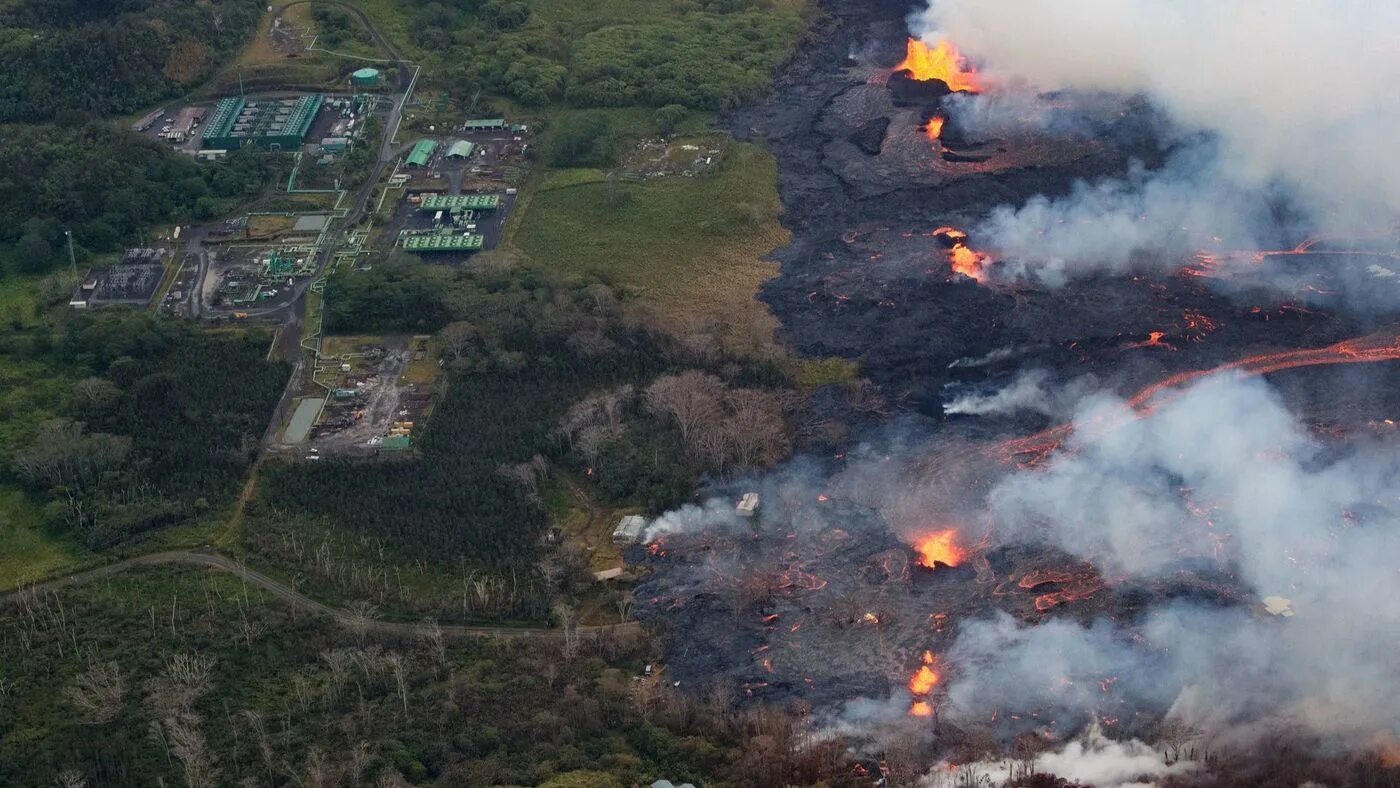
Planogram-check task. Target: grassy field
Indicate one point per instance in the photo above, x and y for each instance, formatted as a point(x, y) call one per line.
point(690, 247)
point(29, 552)
point(30, 392)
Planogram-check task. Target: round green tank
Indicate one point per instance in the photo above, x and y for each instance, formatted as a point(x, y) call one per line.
point(365, 78)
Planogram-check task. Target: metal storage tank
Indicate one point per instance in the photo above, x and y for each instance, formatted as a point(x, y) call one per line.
point(365, 78)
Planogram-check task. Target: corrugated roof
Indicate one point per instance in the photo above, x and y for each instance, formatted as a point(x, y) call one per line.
point(422, 151)
point(461, 148)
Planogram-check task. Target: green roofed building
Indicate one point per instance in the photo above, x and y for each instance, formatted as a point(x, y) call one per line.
point(487, 124)
point(422, 151)
point(461, 149)
point(396, 443)
point(460, 202)
point(443, 242)
point(274, 124)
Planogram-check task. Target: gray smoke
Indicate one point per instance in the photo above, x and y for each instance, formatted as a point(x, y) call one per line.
point(1298, 103)
point(1090, 759)
point(1031, 391)
point(1225, 474)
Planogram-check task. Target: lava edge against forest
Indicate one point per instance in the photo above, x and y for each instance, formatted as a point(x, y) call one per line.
point(857, 283)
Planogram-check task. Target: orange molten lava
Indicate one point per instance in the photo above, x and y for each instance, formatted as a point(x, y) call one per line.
point(934, 128)
point(926, 678)
point(1372, 348)
point(942, 61)
point(940, 546)
point(922, 683)
point(967, 262)
point(961, 257)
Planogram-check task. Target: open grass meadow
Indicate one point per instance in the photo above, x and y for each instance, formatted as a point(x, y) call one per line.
point(690, 247)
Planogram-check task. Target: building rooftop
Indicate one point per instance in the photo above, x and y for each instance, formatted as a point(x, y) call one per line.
point(443, 242)
point(460, 202)
point(275, 121)
point(629, 529)
point(422, 151)
point(461, 149)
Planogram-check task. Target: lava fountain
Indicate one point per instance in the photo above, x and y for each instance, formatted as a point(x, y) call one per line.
point(943, 62)
point(961, 257)
point(939, 547)
point(934, 128)
point(922, 683)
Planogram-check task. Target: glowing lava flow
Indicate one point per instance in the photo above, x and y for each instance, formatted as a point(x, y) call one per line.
point(1380, 346)
point(922, 683)
point(961, 257)
point(940, 547)
point(942, 62)
point(934, 128)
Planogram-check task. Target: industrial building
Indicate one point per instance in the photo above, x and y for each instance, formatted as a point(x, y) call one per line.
point(461, 149)
point(274, 124)
point(445, 240)
point(629, 530)
point(421, 153)
point(460, 202)
point(486, 124)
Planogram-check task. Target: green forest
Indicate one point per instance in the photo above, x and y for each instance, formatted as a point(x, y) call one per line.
point(706, 55)
point(106, 186)
point(65, 59)
point(161, 424)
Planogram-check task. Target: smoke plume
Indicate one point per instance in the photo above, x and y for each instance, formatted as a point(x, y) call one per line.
point(1032, 391)
point(1296, 105)
point(1223, 473)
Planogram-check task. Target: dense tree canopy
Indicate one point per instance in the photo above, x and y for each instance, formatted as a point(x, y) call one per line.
point(105, 57)
point(164, 425)
point(105, 185)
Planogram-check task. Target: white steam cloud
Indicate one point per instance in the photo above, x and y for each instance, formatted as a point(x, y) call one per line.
point(1090, 759)
point(1296, 97)
point(1223, 473)
point(1032, 391)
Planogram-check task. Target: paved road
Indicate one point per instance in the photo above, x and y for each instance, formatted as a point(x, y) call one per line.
point(303, 602)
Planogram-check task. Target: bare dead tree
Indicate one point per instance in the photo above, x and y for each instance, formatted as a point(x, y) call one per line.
point(689, 399)
point(70, 778)
point(568, 619)
point(527, 474)
point(591, 343)
point(755, 426)
point(318, 772)
point(338, 662)
point(361, 616)
point(188, 745)
point(98, 693)
point(360, 757)
point(1174, 736)
point(399, 670)
point(457, 338)
point(593, 423)
point(184, 680)
point(257, 726)
point(94, 393)
point(390, 779)
point(431, 638)
point(625, 602)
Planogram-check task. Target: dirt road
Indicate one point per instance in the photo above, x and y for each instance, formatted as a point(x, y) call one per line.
point(300, 601)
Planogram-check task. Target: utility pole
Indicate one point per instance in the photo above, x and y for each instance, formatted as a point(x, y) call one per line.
point(72, 258)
